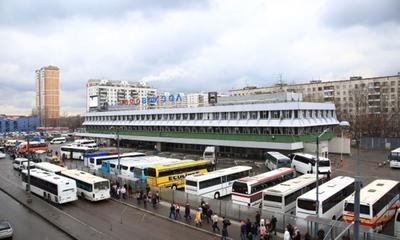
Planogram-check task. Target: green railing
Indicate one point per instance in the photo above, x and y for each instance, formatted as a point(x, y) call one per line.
point(219, 136)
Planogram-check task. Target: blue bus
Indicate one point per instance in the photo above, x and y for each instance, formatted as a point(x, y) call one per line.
point(94, 163)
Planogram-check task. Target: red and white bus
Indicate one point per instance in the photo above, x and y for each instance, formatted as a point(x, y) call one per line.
point(248, 190)
point(378, 203)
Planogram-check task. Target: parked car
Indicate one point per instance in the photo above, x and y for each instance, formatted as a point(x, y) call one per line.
point(6, 231)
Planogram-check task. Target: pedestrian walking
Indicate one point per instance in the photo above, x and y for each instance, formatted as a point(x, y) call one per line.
point(145, 200)
point(215, 220)
point(177, 211)
point(172, 213)
point(307, 236)
point(147, 189)
point(258, 217)
point(225, 224)
point(123, 192)
point(263, 231)
point(138, 197)
point(254, 231)
point(154, 200)
point(119, 193)
point(158, 196)
point(209, 213)
point(197, 217)
point(243, 230)
point(297, 235)
point(187, 212)
point(286, 234)
point(248, 228)
point(273, 224)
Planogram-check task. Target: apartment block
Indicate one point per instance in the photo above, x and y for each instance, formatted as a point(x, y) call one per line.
point(376, 95)
point(48, 94)
point(102, 94)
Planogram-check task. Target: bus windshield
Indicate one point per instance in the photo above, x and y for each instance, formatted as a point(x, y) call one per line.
point(363, 208)
point(191, 183)
point(306, 204)
point(324, 163)
point(394, 156)
point(240, 187)
point(151, 172)
point(273, 198)
point(104, 185)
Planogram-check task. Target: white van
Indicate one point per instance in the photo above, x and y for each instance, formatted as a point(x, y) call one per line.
point(274, 160)
point(397, 224)
point(306, 163)
point(18, 162)
point(85, 143)
point(58, 140)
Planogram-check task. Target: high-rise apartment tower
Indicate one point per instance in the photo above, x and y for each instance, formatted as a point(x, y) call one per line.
point(48, 95)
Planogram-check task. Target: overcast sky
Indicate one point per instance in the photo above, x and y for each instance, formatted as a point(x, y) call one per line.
point(191, 45)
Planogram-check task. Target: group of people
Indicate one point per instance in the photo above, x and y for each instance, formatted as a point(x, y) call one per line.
point(203, 213)
point(293, 233)
point(259, 229)
point(148, 197)
point(118, 191)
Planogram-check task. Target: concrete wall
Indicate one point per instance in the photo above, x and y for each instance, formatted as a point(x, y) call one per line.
point(312, 148)
point(335, 145)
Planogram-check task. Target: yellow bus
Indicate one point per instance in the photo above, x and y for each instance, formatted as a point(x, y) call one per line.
point(173, 175)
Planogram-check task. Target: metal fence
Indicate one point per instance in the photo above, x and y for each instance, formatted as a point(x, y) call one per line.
point(376, 143)
point(331, 228)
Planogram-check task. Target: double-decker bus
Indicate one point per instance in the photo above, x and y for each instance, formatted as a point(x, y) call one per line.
point(91, 187)
point(95, 163)
point(378, 203)
point(215, 184)
point(248, 190)
point(282, 198)
point(330, 199)
point(75, 152)
point(33, 146)
point(49, 167)
point(173, 175)
point(50, 186)
point(394, 158)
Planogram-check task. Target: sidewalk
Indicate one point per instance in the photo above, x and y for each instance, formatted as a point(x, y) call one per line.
point(163, 209)
point(71, 226)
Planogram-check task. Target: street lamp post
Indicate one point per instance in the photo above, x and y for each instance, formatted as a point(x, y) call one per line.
point(317, 176)
point(343, 125)
point(118, 150)
point(29, 198)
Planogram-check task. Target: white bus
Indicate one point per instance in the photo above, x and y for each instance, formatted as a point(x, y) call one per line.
point(394, 158)
point(50, 186)
point(91, 187)
point(86, 143)
point(128, 165)
point(378, 203)
point(18, 163)
point(282, 197)
point(46, 166)
point(330, 199)
point(75, 152)
point(95, 163)
point(58, 140)
point(306, 163)
point(248, 190)
point(215, 184)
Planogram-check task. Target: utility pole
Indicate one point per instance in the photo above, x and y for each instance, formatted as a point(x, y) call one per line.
point(357, 186)
point(29, 198)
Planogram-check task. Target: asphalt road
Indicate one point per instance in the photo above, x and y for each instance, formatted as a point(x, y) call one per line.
point(109, 217)
point(27, 225)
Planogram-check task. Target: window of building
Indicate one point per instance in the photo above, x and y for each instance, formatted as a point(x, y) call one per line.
point(178, 116)
point(224, 116)
point(215, 116)
point(233, 115)
point(253, 115)
point(185, 116)
point(243, 115)
point(264, 115)
point(199, 116)
point(192, 116)
point(275, 114)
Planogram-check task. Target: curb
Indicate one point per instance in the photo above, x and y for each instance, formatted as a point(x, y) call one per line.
point(167, 218)
point(38, 214)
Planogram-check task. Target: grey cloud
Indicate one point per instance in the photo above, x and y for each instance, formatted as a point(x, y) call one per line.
point(345, 13)
point(28, 12)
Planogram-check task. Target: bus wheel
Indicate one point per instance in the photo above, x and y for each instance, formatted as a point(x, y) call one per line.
point(173, 187)
point(216, 195)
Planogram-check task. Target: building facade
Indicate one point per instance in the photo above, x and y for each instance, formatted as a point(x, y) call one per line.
point(244, 129)
point(48, 94)
point(101, 94)
point(368, 95)
point(18, 123)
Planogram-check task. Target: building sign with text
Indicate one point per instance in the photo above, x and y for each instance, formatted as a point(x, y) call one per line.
point(152, 100)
